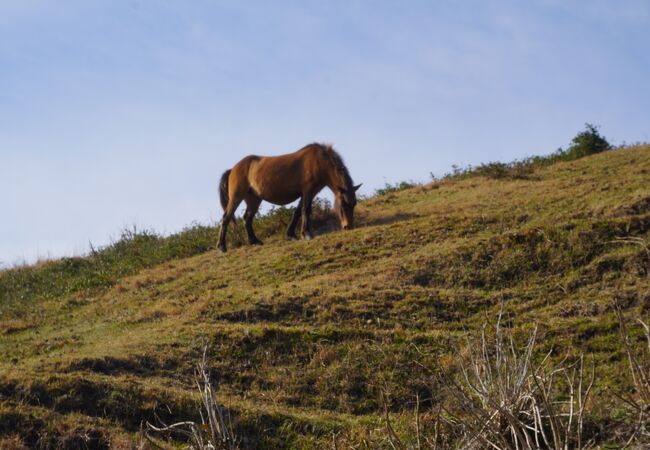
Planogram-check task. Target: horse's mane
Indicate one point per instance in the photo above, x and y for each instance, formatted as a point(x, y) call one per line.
point(337, 162)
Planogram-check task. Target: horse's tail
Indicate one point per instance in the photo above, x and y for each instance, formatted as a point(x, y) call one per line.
point(223, 189)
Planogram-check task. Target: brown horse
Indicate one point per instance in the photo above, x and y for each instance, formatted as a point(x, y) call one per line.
point(283, 179)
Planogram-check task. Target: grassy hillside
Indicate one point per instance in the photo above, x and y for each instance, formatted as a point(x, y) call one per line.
point(304, 336)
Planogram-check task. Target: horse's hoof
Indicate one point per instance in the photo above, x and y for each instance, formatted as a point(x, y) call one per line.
point(308, 237)
point(221, 249)
point(256, 242)
point(292, 237)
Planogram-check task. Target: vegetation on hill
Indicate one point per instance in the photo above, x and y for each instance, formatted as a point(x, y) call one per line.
point(585, 143)
point(314, 344)
point(133, 251)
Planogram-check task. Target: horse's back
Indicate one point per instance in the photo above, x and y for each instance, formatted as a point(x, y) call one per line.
point(281, 179)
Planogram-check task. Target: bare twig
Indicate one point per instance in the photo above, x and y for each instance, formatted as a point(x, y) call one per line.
point(215, 431)
point(417, 421)
point(505, 401)
point(393, 438)
point(639, 368)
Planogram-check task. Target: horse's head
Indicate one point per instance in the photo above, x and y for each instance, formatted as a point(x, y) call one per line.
point(344, 202)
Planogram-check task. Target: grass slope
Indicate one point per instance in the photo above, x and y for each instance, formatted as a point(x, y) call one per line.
point(305, 335)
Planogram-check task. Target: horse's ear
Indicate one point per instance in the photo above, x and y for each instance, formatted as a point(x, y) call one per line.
point(356, 188)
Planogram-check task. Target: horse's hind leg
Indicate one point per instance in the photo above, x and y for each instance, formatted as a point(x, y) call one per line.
point(252, 205)
point(229, 214)
point(291, 231)
point(225, 220)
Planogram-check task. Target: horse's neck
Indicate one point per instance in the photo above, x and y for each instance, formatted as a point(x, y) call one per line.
point(336, 181)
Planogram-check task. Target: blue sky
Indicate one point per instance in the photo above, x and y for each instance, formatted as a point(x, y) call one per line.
point(115, 113)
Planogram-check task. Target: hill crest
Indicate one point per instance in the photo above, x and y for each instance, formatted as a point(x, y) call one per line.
point(304, 335)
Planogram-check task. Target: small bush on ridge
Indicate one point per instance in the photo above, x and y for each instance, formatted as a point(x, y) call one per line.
point(388, 188)
point(585, 143)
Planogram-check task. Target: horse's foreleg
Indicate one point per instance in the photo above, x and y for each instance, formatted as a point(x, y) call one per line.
point(291, 231)
point(305, 230)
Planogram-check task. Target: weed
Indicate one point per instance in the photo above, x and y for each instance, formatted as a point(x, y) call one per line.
point(504, 400)
point(585, 143)
point(215, 431)
point(639, 368)
point(390, 188)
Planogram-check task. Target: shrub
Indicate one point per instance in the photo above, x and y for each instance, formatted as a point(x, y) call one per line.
point(587, 142)
point(503, 399)
point(215, 432)
point(388, 188)
point(638, 401)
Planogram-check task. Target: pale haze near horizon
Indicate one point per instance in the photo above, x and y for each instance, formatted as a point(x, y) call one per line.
point(114, 114)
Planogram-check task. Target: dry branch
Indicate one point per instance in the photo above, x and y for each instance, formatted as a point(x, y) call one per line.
point(215, 431)
point(639, 367)
point(503, 400)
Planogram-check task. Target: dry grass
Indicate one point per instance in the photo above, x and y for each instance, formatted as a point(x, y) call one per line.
point(506, 401)
point(309, 333)
point(215, 432)
point(502, 399)
point(638, 400)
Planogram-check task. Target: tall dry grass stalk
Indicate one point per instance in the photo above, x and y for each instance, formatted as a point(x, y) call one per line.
point(639, 364)
point(503, 400)
point(215, 431)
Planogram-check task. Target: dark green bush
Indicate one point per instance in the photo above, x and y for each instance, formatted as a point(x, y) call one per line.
point(585, 143)
point(388, 188)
